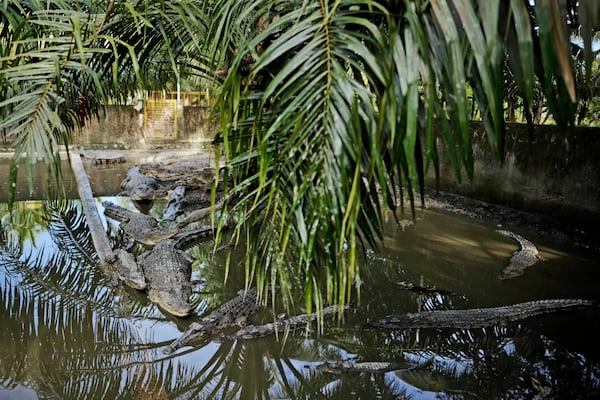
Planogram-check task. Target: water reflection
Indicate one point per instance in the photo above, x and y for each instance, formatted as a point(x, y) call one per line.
point(69, 330)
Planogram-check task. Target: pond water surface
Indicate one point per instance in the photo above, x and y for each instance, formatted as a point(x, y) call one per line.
point(67, 331)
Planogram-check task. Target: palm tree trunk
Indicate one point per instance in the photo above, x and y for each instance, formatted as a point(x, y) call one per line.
point(99, 237)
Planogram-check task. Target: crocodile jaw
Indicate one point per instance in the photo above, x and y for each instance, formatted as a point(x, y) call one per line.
point(170, 303)
point(193, 333)
point(154, 236)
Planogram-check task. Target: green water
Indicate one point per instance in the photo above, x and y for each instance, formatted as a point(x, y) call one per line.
point(67, 331)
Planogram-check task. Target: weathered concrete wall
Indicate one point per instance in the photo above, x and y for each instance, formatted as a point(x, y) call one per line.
point(550, 174)
point(196, 124)
point(124, 127)
point(547, 174)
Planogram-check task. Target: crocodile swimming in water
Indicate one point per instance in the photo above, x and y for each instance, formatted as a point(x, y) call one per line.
point(234, 312)
point(292, 323)
point(371, 367)
point(420, 289)
point(480, 317)
point(141, 227)
point(525, 257)
point(168, 271)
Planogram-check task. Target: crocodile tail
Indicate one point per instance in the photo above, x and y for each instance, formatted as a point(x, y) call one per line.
point(187, 239)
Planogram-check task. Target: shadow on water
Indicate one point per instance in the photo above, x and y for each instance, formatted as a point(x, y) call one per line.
point(67, 331)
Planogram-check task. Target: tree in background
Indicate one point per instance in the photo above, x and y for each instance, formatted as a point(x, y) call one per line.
point(329, 110)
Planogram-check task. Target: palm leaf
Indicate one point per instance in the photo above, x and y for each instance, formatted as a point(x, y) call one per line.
point(322, 104)
point(44, 76)
point(336, 101)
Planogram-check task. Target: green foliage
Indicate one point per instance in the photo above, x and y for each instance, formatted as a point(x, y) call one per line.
point(46, 83)
point(329, 110)
point(61, 60)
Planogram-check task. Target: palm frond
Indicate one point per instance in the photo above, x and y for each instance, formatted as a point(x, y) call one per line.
point(330, 109)
point(46, 82)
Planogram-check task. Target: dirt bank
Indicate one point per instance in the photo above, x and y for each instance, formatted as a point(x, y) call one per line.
point(553, 228)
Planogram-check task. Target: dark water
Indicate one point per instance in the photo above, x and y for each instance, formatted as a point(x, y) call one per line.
point(68, 332)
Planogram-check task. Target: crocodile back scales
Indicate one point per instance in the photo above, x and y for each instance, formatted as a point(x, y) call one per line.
point(235, 311)
point(338, 367)
point(480, 317)
point(521, 259)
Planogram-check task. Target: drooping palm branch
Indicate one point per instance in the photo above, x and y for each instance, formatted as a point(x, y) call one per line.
point(330, 111)
point(61, 61)
point(46, 82)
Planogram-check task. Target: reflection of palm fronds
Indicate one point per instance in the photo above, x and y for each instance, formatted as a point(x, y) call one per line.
point(67, 225)
point(235, 370)
point(22, 222)
point(459, 362)
point(306, 385)
point(381, 386)
point(58, 318)
point(56, 278)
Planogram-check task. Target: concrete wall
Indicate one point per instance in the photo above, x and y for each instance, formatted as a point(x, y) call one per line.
point(124, 127)
point(550, 174)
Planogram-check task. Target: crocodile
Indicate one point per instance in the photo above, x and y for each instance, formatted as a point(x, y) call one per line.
point(168, 271)
point(281, 326)
point(100, 157)
point(525, 257)
point(190, 171)
point(184, 200)
point(371, 367)
point(234, 312)
point(128, 270)
point(421, 289)
point(141, 227)
point(139, 186)
point(480, 317)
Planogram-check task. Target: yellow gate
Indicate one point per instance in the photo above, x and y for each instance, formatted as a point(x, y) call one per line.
point(160, 116)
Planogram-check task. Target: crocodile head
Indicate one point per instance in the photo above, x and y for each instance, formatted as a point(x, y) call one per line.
point(194, 332)
point(172, 303)
point(153, 236)
point(147, 192)
point(510, 272)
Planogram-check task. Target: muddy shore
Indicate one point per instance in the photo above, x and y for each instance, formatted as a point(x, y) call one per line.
point(550, 227)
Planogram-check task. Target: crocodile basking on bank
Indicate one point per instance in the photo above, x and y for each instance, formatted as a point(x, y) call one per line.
point(168, 271)
point(139, 186)
point(154, 180)
point(190, 171)
point(480, 317)
point(183, 202)
point(525, 257)
point(234, 312)
point(141, 227)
